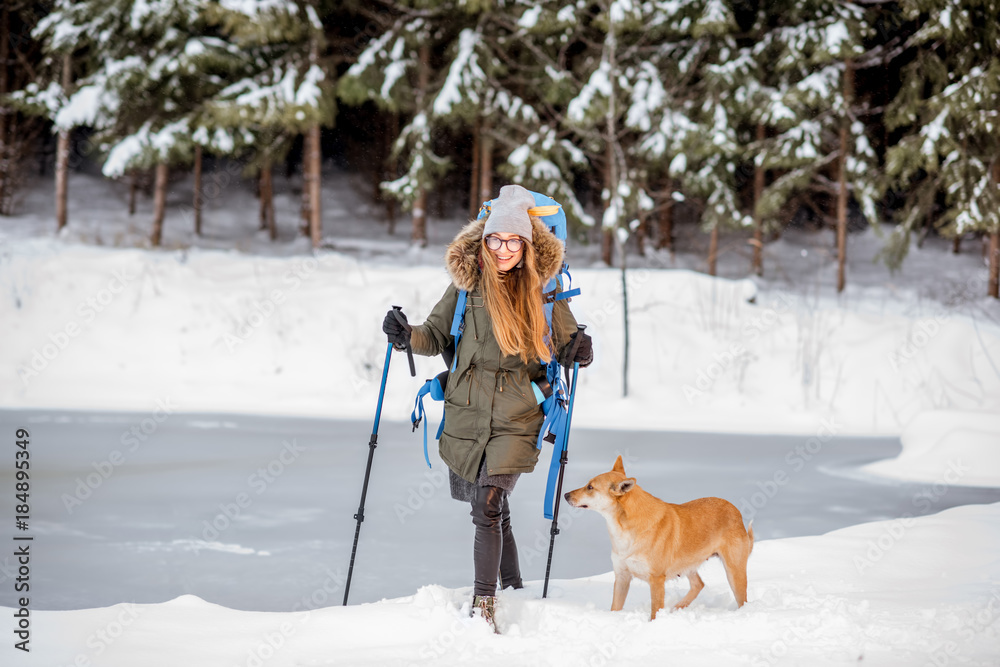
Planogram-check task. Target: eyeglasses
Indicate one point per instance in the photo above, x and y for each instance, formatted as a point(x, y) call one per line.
point(495, 243)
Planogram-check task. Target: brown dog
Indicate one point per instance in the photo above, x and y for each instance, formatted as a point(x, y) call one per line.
point(653, 540)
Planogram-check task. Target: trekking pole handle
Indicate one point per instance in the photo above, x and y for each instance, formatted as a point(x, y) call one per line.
point(576, 345)
point(398, 312)
point(576, 342)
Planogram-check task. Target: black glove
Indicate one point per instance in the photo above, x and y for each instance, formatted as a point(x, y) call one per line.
point(394, 329)
point(584, 350)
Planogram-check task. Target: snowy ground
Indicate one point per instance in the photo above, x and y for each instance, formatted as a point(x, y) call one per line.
point(92, 321)
point(268, 331)
point(918, 592)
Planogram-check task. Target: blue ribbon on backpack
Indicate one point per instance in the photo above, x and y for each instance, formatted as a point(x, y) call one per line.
point(436, 391)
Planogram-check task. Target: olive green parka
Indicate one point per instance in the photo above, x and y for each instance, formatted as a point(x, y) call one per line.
point(489, 405)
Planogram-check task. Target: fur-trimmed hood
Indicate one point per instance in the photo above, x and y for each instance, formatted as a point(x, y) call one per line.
point(462, 257)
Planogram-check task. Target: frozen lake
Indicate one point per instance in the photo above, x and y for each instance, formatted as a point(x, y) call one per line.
point(257, 513)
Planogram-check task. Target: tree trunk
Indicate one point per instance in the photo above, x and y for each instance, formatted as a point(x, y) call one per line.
point(665, 221)
point(441, 198)
point(390, 202)
point(62, 152)
point(418, 234)
point(626, 329)
point(6, 155)
point(485, 162)
point(306, 182)
point(758, 223)
point(641, 232)
point(261, 204)
point(610, 187)
point(159, 202)
point(845, 124)
point(956, 244)
point(474, 200)
point(315, 203)
point(267, 218)
point(713, 250)
point(133, 190)
point(197, 190)
point(378, 164)
point(418, 230)
point(994, 283)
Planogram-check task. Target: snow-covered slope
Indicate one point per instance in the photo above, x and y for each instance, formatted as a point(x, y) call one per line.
point(902, 592)
point(947, 447)
point(90, 327)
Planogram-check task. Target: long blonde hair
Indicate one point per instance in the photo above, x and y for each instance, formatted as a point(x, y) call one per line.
point(514, 303)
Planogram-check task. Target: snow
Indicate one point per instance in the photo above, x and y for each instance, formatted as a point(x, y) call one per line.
point(529, 19)
point(800, 357)
point(395, 69)
point(464, 76)
point(231, 323)
point(948, 446)
point(368, 57)
point(123, 155)
point(835, 36)
point(598, 83)
point(893, 593)
point(125, 151)
point(932, 133)
point(254, 8)
point(648, 96)
point(567, 14)
point(678, 165)
point(86, 107)
point(821, 82)
point(715, 16)
point(308, 93)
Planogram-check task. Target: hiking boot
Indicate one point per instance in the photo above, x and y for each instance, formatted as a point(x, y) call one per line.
point(486, 606)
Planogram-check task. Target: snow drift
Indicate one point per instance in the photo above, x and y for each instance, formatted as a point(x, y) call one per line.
point(901, 592)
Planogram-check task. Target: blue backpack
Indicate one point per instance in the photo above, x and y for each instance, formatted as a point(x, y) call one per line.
point(555, 403)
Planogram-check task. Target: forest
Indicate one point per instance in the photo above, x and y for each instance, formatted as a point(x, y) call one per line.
point(640, 117)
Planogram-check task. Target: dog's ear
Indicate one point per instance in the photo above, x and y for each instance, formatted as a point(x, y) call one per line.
point(622, 487)
point(619, 466)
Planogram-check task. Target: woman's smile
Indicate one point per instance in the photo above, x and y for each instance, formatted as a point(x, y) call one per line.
point(507, 260)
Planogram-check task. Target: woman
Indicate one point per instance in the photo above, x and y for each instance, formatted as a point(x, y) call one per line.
point(491, 416)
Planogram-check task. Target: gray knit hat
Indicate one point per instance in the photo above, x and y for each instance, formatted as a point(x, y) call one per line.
point(509, 212)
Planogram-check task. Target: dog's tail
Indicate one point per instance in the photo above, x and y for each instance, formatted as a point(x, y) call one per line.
point(750, 535)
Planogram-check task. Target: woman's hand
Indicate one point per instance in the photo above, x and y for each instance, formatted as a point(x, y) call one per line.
point(394, 330)
point(584, 350)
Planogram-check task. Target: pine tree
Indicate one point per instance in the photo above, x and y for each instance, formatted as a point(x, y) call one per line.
point(19, 62)
point(145, 68)
point(529, 97)
point(279, 88)
point(819, 146)
point(488, 81)
point(948, 161)
point(395, 72)
point(684, 107)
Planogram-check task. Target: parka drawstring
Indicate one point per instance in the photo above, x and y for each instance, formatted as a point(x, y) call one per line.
point(468, 378)
point(505, 378)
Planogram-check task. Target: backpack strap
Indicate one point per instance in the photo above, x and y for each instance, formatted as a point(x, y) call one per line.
point(458, 323)
point(554, 431)
point(435, 388)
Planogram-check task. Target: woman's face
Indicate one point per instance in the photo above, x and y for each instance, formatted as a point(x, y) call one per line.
point(507, 260)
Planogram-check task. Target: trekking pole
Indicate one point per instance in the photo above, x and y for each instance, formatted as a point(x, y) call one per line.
point(563, 458)
point(398, 312)
point(360, 516)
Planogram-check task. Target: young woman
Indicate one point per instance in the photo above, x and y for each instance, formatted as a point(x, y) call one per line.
point(491, 417)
